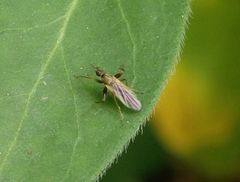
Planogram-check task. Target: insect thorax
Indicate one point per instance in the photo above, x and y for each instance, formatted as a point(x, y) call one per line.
point(107, 79)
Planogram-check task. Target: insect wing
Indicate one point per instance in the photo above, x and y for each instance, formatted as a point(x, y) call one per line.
point(126, 96)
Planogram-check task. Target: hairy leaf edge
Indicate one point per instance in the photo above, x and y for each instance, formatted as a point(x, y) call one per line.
point(155, 100)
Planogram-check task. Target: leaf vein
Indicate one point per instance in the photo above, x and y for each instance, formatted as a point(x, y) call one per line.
point(33, 27)
point(131, 39)
point(12, 96)
point(76, 115)
point(40, 75)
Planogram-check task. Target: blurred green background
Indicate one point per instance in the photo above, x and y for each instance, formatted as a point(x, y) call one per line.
point(194, 134)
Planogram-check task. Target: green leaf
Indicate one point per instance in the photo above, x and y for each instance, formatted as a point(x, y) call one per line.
point(52, 129)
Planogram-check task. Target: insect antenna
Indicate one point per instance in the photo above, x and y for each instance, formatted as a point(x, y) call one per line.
point(95, 67)
point(84, 76)
point(88, 77)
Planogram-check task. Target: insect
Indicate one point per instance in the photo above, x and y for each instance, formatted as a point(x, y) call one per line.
point(119, 90)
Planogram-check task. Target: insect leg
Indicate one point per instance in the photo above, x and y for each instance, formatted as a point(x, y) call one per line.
point(137, 91)
point(119, 109)
point(120, 73)
point(88, 77)
point(104, 94)
point(124, 80)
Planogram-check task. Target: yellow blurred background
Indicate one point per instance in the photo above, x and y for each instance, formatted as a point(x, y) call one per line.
point(197, 117)
point(194, 134)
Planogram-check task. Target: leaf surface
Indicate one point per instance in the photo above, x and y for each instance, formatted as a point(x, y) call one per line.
point(52, 129)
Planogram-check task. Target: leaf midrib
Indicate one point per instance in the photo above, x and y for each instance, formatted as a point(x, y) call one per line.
point(43, 69)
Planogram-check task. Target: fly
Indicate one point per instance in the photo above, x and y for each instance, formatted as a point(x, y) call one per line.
point(119, 90)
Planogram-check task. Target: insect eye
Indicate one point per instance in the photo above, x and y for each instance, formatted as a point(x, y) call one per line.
point(98, 73)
